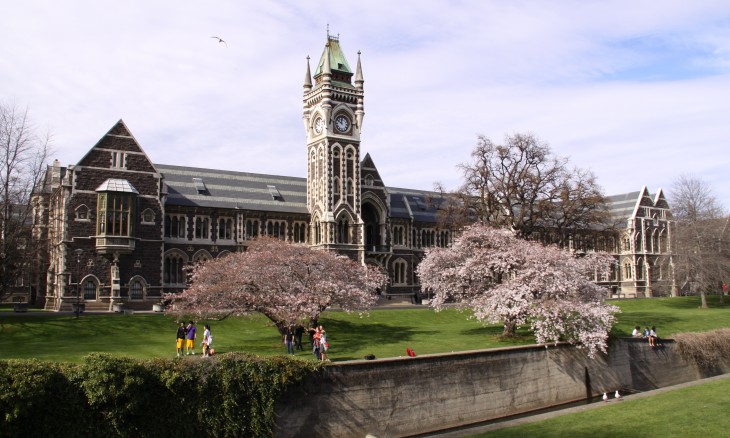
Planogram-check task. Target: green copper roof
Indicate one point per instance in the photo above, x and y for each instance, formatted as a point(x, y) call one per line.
point(337, 58)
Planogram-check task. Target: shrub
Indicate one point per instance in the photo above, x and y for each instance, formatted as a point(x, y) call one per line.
point(707, 349)
point(32, 389)
point(231, 395)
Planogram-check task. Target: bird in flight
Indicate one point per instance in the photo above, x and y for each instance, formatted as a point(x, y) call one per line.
point(220, 40)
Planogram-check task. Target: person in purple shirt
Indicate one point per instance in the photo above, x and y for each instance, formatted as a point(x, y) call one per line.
point(190, 341)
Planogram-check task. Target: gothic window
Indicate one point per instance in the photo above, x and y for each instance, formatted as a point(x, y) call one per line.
point(662, 243)
point(202, 227)
point(252, 229)
point(398, 235)
point(136, 289)
point(148, 216)
point(336, 185)
point(627, 271)
point(201, 256)
point(115, 213)
point(90, 289)
point(175, 226)
point(276, 229)
point(343, 231)
point(400, 269)
point(369, 181)
point(225, 229)
point(640, 270)
point(82, 213)
point(174, 269)
point(350, 187)
point(300, 232)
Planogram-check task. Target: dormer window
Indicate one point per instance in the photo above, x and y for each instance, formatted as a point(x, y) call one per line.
point(275, 194)
point(200, 186)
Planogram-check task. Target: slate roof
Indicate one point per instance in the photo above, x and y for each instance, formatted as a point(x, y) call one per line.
point(418, 204)
point(229, 189)
point(255, 191)
point(199, 187)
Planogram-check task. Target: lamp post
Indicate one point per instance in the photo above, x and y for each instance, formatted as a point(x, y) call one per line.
point(78, 252)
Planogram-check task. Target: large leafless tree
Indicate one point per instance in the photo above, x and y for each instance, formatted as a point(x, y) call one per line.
point(523, 186)
point(23, 156)
point(701, 237)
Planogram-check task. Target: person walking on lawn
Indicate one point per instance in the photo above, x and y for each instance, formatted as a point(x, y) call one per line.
point(190, 340)
point(180, 342)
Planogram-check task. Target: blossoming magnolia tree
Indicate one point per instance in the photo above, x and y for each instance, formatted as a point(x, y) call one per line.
point(517, 282)
point(287, 283)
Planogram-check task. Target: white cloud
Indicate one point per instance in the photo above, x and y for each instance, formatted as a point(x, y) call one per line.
point(632, 90)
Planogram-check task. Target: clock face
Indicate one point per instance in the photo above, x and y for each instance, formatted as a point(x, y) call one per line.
point(318, 125)
point(342, 123)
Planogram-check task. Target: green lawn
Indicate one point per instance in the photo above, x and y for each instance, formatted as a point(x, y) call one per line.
point(383, 333)
point(697, 411)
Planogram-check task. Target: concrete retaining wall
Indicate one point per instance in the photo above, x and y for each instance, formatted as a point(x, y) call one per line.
point(408, 396)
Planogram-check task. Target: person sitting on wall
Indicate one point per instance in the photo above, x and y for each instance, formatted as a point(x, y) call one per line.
point(653, 337)
point(637, 332)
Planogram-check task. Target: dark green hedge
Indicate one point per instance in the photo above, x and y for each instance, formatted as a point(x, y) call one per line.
point(231, 395)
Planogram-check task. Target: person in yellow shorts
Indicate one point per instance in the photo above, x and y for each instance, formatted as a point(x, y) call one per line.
point(190, 338)
point(181, 333)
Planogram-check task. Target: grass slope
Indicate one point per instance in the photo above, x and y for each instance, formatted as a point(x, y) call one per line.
point(697, 411)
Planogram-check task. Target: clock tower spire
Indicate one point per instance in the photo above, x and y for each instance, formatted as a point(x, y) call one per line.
point(333, 116)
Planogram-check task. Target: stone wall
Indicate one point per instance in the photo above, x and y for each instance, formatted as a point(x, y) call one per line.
point(408, 396)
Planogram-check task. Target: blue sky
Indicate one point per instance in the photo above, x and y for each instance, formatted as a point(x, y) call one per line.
point(636, 91)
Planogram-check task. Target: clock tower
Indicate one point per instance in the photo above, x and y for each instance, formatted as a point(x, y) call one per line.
point(333, 115)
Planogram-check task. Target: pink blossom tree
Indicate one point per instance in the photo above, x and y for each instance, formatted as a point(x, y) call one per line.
point(507, 280)
point(287, 283)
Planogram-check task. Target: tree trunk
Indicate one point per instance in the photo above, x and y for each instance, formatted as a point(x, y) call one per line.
point(703, 299)
point(510, 329)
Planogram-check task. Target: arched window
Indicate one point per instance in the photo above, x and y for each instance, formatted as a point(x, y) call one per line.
point(91, 288)
point(627, 271)
point(640, 269)
point(343, 231)
point(148, 216)
point(300, 232)
point(136, 290)
point(252, 229)
point(399, 272)
point(175, 226)
point(82, 213)
point(225, 229)
point(202, 227)
point(174, 269)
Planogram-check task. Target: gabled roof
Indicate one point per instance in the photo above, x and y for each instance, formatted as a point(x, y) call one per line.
point(119, 138)
point(626, 205)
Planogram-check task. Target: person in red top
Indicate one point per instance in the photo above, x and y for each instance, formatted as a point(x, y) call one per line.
point(724, 288)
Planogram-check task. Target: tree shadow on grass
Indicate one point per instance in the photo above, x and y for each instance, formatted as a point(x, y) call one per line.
point(494, 335)
point(349, 336)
